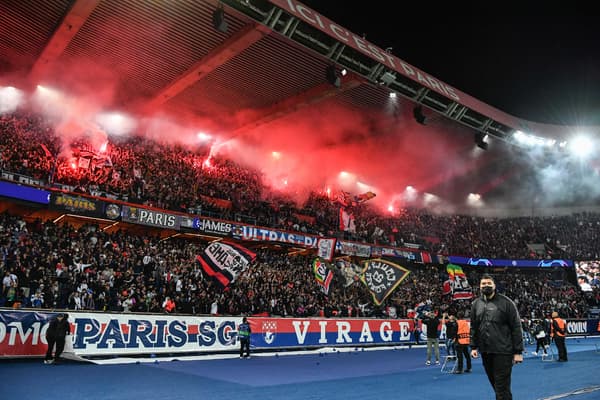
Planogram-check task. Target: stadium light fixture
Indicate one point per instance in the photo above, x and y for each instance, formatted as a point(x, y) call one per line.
point(218, 19)
point(333, 76)
point(418, 114)
point(387, 78)
point(480, 140)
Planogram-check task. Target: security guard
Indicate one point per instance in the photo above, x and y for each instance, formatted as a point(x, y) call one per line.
point(559, 332)
point(244, 332)
point(463, 339)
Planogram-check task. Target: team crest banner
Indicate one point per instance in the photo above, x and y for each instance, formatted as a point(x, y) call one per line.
point(381, 278)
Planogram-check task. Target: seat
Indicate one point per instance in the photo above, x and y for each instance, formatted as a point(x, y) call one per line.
point(550, 355)
point(449, 365)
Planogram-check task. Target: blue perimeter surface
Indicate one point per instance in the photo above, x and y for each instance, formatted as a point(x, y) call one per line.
point(361, 375)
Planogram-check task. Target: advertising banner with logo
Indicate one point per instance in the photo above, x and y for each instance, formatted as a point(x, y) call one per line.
point(23, 333)
point(77, 205)
point(112, 211)
point(212, 226)
point(148, 217)
point(247, 232)
point(307, 332)
point(492, 262)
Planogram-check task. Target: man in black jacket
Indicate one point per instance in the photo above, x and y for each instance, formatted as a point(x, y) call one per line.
point(58, 329)
point(497, 334)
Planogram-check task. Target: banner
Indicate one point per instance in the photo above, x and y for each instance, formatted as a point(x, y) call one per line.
point(24, 193)
point(381, 277)
point(76, 205)
point(490, 262)
point(150, 217)
point(326, 248)
point(409, 254)
point(24, 179)
point(23, 333)
point(458, 282)
point(349, 271)
point(323, 275)
point(225, 261)
point(305, 218)
point(247, 232)
point(211, 226)
point(220, 203)
point(277, 333)
point(112, 211)
point(347, 222)
point(353, 249)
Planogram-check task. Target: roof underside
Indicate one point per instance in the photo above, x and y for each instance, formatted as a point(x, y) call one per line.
point(168, 56)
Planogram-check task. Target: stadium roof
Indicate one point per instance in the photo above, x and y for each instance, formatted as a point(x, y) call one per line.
point(262, 62)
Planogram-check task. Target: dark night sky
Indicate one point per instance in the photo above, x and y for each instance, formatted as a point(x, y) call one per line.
point(544, 68)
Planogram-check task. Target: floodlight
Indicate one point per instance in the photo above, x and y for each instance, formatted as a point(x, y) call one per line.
point(480, 140)
point(418, 114)
point(333, 76)
point(387, 78)
point(218, 19)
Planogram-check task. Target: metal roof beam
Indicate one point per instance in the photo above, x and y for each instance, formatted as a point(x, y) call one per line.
point(292, 104)
point(66, 31)
point(230, 48)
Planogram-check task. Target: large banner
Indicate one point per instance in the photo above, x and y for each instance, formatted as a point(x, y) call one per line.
point(22, 333)
point(318, 332)
point(381, 278)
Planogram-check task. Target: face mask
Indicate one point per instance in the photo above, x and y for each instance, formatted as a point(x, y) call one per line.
point(487, 290)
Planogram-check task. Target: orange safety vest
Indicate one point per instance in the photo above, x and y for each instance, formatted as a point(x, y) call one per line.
point(561, 324)
point(464, 332)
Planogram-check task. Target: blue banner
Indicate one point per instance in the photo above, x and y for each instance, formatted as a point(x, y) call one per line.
point(24, 193)
point(493, 262)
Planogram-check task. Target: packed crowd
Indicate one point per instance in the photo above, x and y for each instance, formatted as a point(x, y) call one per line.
point(171, 177)
point(51, 266)
point(45, 265)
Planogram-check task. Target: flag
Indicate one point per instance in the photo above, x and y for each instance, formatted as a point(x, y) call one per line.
point(381, 277)
point(326, 248)
point(347, 223)
point(83, 163)
point(348, 270)
point(46, 151)
point(459, 284)
point(225, 261)
point(343, 198)
point(361, 198)
point(323, 274)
